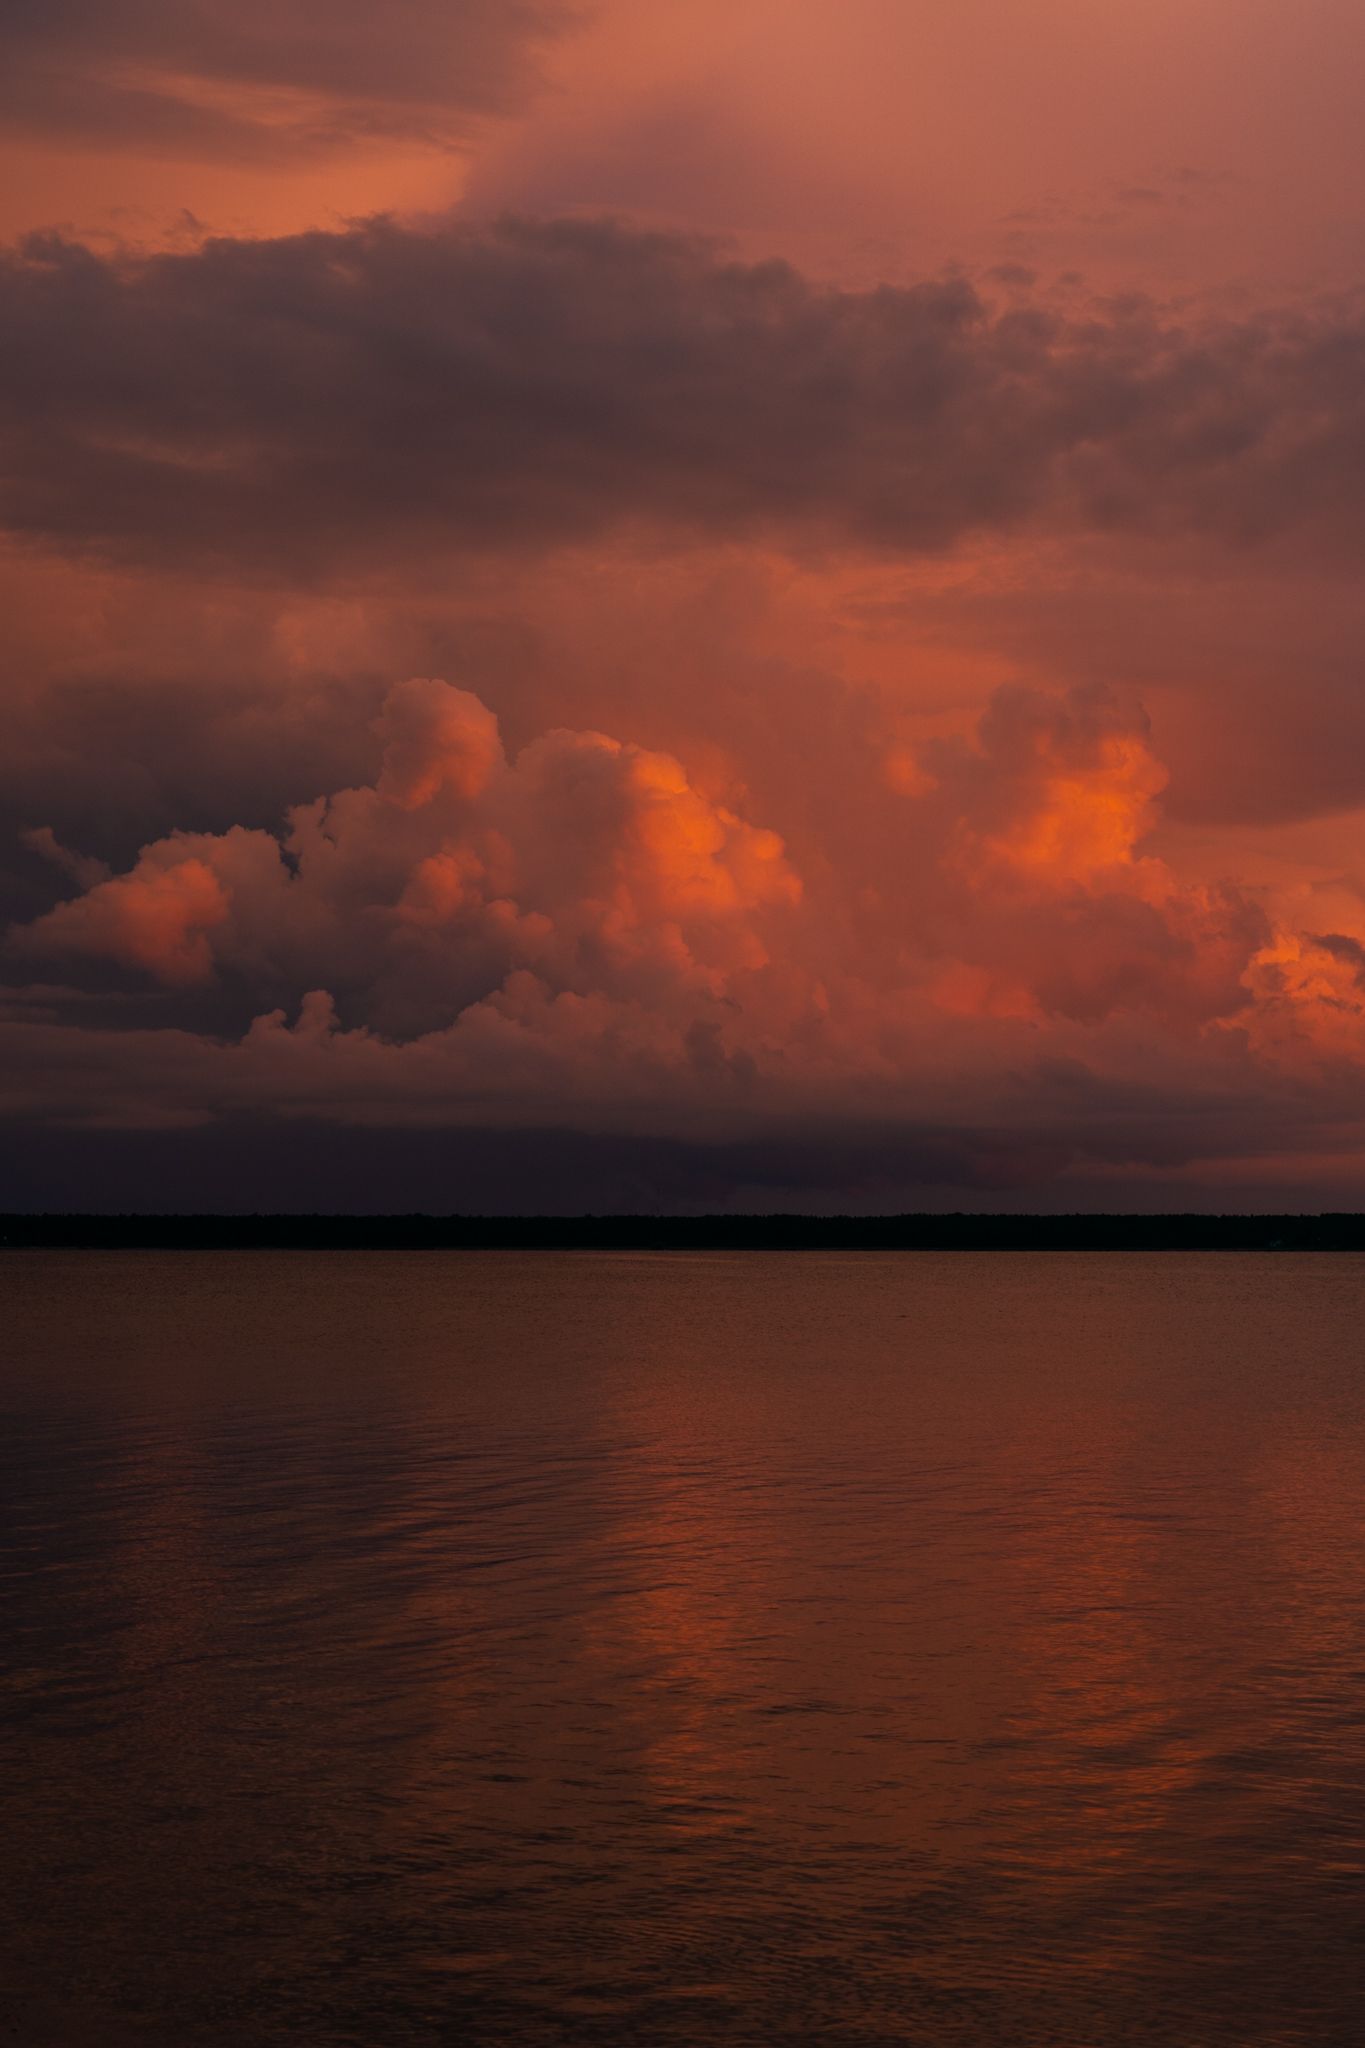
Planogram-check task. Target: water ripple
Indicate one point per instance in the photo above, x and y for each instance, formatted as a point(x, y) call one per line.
point(559, 1649)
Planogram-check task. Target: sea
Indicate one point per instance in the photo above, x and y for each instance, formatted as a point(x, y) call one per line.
point(837, 1648)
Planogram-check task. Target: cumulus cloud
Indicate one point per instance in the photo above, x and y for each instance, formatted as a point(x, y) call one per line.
point(1048, 904)
point(263, 79)
point(578, 937)
point(438, 739)
point(297, 404)
point(157, 918)
point(585, 872)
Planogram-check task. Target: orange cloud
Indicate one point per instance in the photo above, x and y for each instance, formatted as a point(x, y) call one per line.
point(1086, 821)
point(438, 738)
point(579, 937)
point(1048, 903)
point(158, 918)
point(594, 862)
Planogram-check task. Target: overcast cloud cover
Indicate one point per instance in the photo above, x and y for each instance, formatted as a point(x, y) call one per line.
point(620, 709)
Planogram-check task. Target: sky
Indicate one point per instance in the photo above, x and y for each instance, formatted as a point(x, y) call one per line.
point(682, 606)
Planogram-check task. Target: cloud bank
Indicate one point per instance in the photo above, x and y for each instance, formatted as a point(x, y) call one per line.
point(579, 939)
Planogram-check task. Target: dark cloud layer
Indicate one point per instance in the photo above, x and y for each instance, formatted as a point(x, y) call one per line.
point(1049, 1134)
point(252, 1163)
point(247, 79)
point(300, 404)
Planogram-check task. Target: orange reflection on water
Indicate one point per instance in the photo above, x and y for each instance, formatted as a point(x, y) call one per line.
point(858, 1643)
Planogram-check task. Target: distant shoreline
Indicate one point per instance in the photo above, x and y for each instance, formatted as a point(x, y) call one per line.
point(1144, 1233)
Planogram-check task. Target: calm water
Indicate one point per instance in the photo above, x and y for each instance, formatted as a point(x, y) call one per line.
point(766, 1649)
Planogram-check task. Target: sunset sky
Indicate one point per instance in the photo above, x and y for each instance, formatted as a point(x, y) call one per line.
point(659, 604)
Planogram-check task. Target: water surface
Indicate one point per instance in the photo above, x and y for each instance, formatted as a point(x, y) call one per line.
point(573, 1648)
